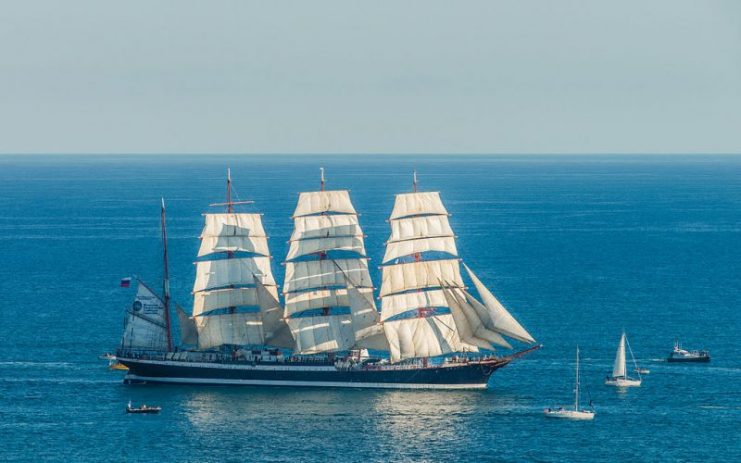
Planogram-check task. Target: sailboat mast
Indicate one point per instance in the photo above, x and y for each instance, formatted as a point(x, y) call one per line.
point(321, 171)
point(166, 279)
point(576, 399)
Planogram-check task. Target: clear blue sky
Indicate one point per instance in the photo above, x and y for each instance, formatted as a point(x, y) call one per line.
point(568, 76)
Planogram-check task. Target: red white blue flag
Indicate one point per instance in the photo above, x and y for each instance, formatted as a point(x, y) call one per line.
point(126, 282)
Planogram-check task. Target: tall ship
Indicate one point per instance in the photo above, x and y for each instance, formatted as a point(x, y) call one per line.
point(431, 330)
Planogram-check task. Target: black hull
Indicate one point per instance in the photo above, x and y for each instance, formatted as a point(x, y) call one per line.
point(471, 375)
point(688, 360)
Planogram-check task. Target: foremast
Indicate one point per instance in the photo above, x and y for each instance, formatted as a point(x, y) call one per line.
point(235, 293)
point(327, 289)
point(426, 310)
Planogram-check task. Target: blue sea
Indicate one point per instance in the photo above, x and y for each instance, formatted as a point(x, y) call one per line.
point(578, 247)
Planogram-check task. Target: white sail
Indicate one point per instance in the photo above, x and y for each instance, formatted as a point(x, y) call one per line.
point(397, 249)
point(502, 321)
point(422, 337)
point(212, 274)
point(188, 329)
point(233, 224)
point(420, 227)
point(145, 323)
point(236, 329)
point(618, 368)
point(251, 244)
point(325, 226)
point(233, 233)
point(362, 308)
point(458, 301)
point(417, 275)
point(301, 301)
point(305, 247)
point(329, 333)
point(320, 202)
point(326, 273)
point(275, 330)
point(411, 204)
point(397, 304)
point(207, 301)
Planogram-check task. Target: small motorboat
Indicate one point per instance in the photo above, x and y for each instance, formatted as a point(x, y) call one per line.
point(642, 371)
point(575, 413)
point(681, 355)
point(143, 409)
point(107, 356)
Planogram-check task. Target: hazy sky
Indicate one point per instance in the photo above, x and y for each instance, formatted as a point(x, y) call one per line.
point(350, 76)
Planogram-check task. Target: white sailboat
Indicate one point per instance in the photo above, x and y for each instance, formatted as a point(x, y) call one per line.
point(575, 414)
point(620, 376)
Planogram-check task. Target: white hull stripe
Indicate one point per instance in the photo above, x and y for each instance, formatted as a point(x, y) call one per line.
point(268, 382)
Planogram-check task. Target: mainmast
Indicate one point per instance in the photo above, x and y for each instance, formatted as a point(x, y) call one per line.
point(326, 258)
point(166, 279)
point(576, 400)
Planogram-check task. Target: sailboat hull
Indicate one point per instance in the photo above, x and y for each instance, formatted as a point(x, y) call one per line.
point(623, 382)
point(470, 375)
point(569, 414)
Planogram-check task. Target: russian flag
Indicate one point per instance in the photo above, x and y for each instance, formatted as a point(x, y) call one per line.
point(126, 282)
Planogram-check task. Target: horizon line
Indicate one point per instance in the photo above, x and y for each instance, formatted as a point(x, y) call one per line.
point(357, 153)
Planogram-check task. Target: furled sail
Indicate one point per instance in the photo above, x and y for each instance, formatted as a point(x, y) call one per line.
point(501, 320)
point(326, 260)
point(234, 292)
point(618, 368)
point(145, 328)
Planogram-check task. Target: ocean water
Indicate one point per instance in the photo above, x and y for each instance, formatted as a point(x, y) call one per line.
point(578, 248)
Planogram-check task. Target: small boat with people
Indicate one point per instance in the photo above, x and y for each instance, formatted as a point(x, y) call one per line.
point(576, 413)
point(682, 355)
point(143, 409)
point(619, 375)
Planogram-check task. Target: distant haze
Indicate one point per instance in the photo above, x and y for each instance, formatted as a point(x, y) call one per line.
point(661, 76)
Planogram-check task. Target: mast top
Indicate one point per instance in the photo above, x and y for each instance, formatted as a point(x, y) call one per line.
point(414, 179)
point(229, 203)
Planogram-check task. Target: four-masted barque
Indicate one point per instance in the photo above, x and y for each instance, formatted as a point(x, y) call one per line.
point(328, 330)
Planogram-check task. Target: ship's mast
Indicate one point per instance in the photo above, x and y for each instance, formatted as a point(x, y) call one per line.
point(322, 254)
point(229, 205)
point(166, 279)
